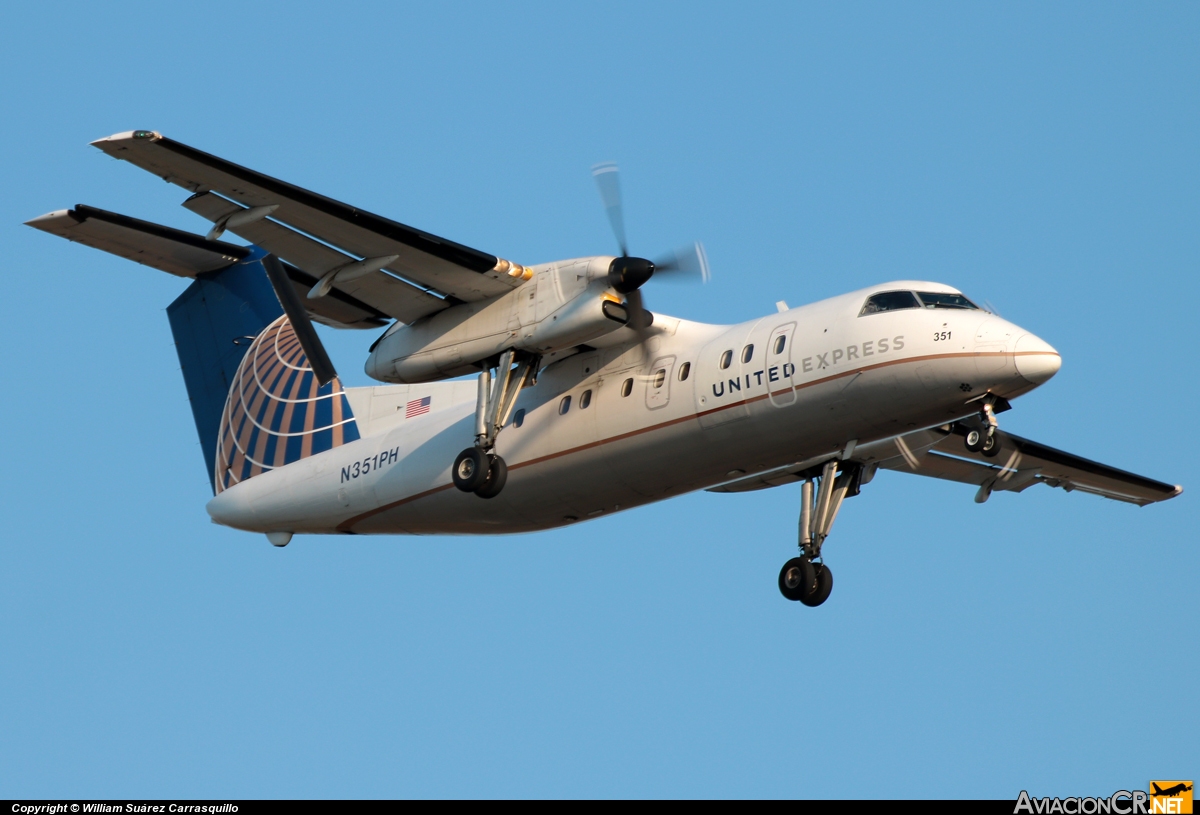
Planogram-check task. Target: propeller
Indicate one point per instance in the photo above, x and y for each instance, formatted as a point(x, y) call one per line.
point(628, 274)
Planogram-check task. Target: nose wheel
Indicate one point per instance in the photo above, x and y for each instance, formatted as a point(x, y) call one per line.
point(982, 441)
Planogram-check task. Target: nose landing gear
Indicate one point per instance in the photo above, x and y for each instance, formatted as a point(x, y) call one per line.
point(478, 469)
point(807, 579)
point(984, 439)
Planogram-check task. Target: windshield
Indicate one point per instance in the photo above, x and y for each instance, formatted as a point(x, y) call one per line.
point(889, 301)
point(937, 299)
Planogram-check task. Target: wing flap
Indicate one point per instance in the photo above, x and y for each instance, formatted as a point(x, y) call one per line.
point(388, 294)
point(777, 477)
point(170, 250)
point(433, 262)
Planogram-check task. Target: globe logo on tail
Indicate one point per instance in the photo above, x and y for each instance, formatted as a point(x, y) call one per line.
point(275, 412)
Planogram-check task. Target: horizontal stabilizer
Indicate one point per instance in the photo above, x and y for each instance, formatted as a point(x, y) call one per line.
point(187, 255)
point(170, 250)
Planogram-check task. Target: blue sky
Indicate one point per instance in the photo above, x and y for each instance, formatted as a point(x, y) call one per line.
point(1042, 157)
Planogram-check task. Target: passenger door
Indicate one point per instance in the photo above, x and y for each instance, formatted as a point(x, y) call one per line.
point(779, 366)
point(658, 384)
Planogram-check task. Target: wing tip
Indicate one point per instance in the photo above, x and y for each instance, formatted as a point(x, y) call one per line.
point(1175, 491)
point(128, 135)
point(51, 220)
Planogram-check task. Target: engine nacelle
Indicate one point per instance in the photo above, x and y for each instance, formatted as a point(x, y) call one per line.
point(566, 304)
point(594, 313)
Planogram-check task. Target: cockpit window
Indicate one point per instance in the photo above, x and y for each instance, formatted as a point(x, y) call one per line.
point(937, 299)
point(890, 301)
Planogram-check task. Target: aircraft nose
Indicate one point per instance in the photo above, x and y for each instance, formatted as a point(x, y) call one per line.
point(1036, 359)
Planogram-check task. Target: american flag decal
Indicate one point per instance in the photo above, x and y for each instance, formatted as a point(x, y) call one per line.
point(417, 406)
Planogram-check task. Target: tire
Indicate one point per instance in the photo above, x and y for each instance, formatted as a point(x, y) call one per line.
point(470, 469)
point(991, 446)
point(974, 440)
point(796, 578)
point(496, 477)
point(824, 585)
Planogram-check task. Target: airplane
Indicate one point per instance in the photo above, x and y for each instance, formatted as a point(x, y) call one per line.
point(1170, 792)
point(583, 401)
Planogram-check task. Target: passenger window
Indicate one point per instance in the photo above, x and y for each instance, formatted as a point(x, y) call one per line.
point(564, 405)
point(889, 301)
point(747, 353)
point(627, 387)
point(726, 358)
point(585, 399)
point(684, 370)
point(780, 342)
point(519, 418)
point(943, 300)
point(660, 376)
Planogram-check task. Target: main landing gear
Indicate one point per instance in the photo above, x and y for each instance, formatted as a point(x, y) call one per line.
point(478, 469)
point(984, 439)
point(807, 578)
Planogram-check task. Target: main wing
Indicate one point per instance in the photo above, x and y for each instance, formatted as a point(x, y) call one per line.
point(1021, 463)
point(434, 263)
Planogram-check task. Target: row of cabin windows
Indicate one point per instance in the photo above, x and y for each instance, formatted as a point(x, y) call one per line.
point(585, 399)
point(748, 352)
point(660, 378)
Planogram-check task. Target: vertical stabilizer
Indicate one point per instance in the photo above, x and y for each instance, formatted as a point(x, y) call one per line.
point(255, 399)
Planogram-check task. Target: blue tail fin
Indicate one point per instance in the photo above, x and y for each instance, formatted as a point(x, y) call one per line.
point(255, 400)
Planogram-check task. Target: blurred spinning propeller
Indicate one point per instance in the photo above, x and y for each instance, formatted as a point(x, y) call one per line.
point(628, 274)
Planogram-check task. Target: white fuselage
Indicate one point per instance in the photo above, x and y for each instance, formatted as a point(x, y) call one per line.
point(841, 379)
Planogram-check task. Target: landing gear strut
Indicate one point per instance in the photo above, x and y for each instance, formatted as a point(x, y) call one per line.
point(478, 469)
point(806, 578)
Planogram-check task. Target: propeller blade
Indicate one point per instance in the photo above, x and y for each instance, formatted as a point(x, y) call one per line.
point(608, 181)
point(684, 262)
point(293, 307)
